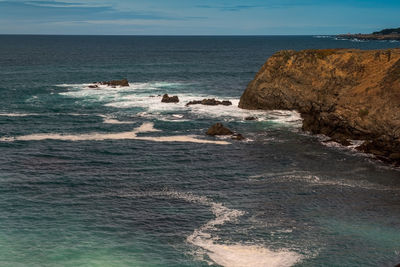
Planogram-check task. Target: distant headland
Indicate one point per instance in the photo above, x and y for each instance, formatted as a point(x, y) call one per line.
point(385, 34)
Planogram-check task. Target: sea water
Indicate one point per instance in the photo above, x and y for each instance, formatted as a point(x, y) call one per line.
point(113, 177)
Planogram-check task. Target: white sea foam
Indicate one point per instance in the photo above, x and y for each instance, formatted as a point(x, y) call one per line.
point(109, 120)
point(46, 114)
point(226, 254)
point(153, 106)
point(182, 139)
point(323, 36)
point(130, 135)
point(146, 128)
point(238, 255)
point(314, 180)
point(18, 114)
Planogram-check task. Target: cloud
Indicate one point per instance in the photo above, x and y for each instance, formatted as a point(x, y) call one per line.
point(229, 7)
point(52, 11)
point(59, 4)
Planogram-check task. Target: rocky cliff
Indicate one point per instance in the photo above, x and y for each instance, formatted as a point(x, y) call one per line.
point(342, 93)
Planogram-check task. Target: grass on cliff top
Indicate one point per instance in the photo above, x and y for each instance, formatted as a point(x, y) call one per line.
point(321, 53)
point(318, 53)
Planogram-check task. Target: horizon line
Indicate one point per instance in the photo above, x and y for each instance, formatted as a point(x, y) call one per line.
point(166, 35)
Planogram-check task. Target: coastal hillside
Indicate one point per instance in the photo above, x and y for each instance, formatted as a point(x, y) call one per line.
point(342, 93)
point(385, 34)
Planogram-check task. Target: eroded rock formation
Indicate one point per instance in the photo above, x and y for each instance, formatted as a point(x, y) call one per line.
point(342, 93)
point(170, 99)
point(218, 129)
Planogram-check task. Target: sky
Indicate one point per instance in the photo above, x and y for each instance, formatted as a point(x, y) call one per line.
point(197, 17)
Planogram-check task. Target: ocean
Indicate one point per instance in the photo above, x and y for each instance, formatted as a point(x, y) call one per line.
point(113, 177)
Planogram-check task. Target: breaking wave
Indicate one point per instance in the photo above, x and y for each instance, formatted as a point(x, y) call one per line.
point(148, 97)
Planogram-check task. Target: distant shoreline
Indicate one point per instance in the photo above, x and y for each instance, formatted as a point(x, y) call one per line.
point(385, 34)
point(389, 37)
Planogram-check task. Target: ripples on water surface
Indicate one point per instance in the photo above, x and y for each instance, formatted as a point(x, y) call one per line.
point(113, 177)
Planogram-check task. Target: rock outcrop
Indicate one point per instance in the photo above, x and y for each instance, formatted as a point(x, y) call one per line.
point(209, 102)
point(122, 83)
point(342, 93)
point(170, 99)
point(218, 129)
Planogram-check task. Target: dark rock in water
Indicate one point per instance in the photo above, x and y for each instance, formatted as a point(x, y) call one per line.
point(122, 83)
point(250, 118)
point(209, 102)
point(343, 142)
point(336, 91)
point(237, 136)
point(170, 99)
point(341, 139)
point(93, 86)
point(218, 129)
point(226, 103)
point(395, 156)
point(194, 102)
point(381, 150)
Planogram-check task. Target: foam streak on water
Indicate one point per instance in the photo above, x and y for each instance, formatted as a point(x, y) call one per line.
point(130, 135)
point(226, 254)
point(314, 180)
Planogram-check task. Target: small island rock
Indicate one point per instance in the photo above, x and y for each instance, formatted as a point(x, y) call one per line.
point(209, 102)
point(218, 129)
point(122, 83)
point(169, 99)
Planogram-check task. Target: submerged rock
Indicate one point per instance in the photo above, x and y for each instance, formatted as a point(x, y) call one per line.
point(209, 102)
point(122, 83)
point(169, 99)
point(250, 118)
point(93, 86)
point(218, 129)
point(237, 136)
point(338, 92)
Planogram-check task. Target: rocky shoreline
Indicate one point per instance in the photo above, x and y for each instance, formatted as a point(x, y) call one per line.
point(342, 93)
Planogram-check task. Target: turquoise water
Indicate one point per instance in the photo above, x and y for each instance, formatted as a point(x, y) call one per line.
point(114, 177)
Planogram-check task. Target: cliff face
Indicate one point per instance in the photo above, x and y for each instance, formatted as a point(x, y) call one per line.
point(342, 93)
